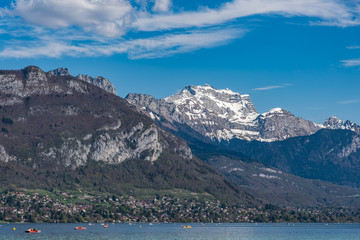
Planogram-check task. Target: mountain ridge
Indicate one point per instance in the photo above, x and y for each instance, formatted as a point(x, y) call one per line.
point(276, 138)
point(98, 81)
point(224, 115)
point(60, 132)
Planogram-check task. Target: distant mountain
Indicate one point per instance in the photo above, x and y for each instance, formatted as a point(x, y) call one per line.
point(60, 132)
point(224, 115)
point(99, 81)
point(270, 171)
point(226, 123)
point(331, 155)
point(335, 123)
point(274, 186)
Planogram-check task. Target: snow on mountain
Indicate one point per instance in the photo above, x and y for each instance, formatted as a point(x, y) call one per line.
point(222, 114)
point(335, 123)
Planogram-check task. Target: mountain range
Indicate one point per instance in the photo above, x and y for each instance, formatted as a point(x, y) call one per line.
point(223, 128)
point(225, 115)
point(60, 131)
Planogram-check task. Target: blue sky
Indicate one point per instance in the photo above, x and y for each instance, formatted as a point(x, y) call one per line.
point(301, 55)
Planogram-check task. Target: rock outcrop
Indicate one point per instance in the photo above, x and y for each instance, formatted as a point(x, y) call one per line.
point(98, 81)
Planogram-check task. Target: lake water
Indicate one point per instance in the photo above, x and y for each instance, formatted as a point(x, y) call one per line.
point(175, 231)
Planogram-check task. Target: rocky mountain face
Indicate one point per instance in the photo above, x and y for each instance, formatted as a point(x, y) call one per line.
point(107, 143)
point(60, 72)
point(227, 123)
point(335, 123)
point(330, 155)
point(224, 115)
point(301, 171)
point(60, 131)
point(98, 81)
point(281, 188)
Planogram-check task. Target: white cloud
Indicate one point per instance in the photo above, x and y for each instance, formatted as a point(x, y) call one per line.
point(272, 87)
point(334, 12)
point(353, 47)
point(179, 43)
point(267, 88)
point(349, 101)
point(56, 28)
point(351, 62)
point(106, 17)
point(162, 5)
point(155, 47)
point(117, 16)
point(44, 49)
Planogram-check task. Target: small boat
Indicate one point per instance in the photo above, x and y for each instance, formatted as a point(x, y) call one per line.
point(80, 228)
point(106, 226)
point(186, 226)
point(32, 230)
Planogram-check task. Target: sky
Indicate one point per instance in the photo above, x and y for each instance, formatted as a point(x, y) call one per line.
point(300, 55)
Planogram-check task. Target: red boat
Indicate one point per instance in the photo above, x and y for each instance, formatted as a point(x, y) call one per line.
point(32, 230)
point(106, 226)
point(80, 228)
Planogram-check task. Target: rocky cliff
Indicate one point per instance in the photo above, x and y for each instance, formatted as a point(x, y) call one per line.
point(111, 140)
point(98, 81)
point(335, 123)
point(57, 129)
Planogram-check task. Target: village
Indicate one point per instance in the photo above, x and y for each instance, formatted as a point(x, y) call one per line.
point(64, 208)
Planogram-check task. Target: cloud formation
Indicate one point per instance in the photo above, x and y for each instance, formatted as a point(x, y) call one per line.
point(56, 28)
point(154, 47)
point(272, 87)
point(161, 5)
point(353, 47)
point(349, 101)
point(331, 12)
point(105, 17)
point(351, 62)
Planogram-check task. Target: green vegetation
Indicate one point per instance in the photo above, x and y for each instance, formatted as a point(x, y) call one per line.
point(7, 120)
point(57, 206)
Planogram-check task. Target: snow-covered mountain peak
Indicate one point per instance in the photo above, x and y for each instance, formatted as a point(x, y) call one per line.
point(223, 114)
point(275, 111)
point(229, 104)
point(336, 123)
point(332, 120)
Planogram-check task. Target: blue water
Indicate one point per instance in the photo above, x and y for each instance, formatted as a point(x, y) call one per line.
point(174, 231)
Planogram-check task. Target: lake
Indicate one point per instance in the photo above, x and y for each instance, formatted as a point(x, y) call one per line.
point(197, 231)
